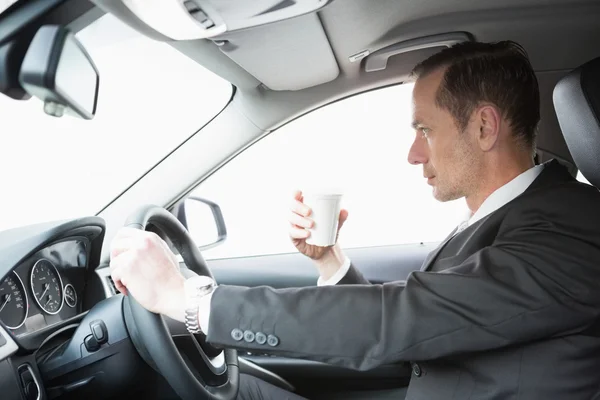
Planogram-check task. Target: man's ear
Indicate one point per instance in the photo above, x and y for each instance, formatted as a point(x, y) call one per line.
point(489, 120)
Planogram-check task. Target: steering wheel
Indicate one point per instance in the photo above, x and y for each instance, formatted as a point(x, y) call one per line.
point(217, 376)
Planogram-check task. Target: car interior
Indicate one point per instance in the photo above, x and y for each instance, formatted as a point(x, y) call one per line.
point(65, 330)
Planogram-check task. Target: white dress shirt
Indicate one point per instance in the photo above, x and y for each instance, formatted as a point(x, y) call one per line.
point(505, 194)
point(501, 196)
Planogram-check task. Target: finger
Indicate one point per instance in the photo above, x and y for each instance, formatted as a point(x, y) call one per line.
point(343, 218)
point(128, 232)
point(300, 221)
point(121, 245)
point(163, 244)
point(120, 269)
point(120, 264)
point(298, 195)
point(300, 208)
point(115, 274)
point(170, 252)
point(167, 248)
point(121, 288)
point(299, 233)
point(134, 239)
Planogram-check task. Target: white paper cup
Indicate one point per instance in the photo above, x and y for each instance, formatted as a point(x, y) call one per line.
point(325, 212)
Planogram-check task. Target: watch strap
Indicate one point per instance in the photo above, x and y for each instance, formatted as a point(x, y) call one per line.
point(196, 288)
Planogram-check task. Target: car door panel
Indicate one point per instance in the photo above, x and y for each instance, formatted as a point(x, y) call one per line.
point(305, 373)
point(378, 264)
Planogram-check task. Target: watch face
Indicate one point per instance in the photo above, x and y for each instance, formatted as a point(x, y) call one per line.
point(202, 280)
point(199, 286)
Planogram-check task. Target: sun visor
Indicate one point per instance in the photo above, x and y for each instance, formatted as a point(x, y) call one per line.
point(202, 19)
point(288, 55)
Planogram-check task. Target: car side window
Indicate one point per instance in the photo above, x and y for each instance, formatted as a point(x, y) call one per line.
point(358, 145)
point(582, 178)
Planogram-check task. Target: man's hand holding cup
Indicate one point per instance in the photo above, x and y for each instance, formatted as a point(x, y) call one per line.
point(316, 220)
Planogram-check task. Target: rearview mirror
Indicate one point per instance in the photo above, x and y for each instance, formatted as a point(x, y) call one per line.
point(58, 70)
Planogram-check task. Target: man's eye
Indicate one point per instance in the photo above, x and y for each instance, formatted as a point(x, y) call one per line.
point(425, 132)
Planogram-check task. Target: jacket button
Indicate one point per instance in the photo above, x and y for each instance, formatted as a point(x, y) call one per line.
point(272, 340)
point(260, 338)
point(416, 369)
point(249, 336)
point(237, 334)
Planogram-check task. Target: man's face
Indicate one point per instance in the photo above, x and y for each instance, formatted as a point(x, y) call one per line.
point(450, 158)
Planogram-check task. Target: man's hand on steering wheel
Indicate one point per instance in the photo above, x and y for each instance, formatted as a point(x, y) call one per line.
point(143, 265)
point(145, 269)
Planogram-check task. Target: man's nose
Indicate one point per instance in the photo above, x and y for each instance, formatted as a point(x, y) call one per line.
point(418, 153)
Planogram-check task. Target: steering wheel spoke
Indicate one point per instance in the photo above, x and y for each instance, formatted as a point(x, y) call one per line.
point(212, 371)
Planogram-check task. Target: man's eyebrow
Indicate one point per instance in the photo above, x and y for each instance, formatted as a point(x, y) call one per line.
point(416, 123)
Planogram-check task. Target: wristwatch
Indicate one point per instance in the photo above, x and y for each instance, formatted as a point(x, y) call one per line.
point(196, 288)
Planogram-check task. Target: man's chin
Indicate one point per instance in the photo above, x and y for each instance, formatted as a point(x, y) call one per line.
point(443, 196)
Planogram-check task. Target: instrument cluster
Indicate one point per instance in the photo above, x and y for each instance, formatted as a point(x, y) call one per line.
point(45, 289)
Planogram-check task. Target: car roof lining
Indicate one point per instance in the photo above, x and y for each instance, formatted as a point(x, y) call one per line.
point(558, 36)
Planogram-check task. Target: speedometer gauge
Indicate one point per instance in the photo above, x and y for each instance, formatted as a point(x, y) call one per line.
point(13, 301)
point(46, 286)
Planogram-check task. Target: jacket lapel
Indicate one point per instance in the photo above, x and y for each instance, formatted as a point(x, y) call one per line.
point(433, 255)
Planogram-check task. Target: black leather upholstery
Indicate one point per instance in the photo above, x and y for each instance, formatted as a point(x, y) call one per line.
point(577, 103)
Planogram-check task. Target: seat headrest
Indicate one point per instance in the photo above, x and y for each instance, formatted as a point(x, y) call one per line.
point(577, 103)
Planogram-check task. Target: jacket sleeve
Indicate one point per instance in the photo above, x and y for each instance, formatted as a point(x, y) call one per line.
point(539, 279)
point(353, 277)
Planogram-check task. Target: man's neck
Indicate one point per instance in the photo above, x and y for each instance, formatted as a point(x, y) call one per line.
point(496, 176)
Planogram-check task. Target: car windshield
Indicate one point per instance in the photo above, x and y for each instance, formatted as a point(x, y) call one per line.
point(151, 99)
point(5, 4)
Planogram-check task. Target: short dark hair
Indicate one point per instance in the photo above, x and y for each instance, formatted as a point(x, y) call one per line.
point(499, 73)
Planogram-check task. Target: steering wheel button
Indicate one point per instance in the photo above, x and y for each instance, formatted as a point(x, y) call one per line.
point(260, 338)
point(237, 334)
point(91, 344)
point(272, 340)
point(98, 328)
point(249, 336)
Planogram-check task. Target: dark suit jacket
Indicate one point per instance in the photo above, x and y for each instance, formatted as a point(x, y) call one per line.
point(506, 309)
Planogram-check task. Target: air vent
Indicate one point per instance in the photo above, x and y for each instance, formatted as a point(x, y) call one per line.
point(111, 284)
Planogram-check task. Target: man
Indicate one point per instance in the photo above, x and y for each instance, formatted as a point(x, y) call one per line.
point(504, 309)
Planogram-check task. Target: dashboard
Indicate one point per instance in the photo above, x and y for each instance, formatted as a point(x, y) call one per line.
point(57, 325)
point(46, 288)
point(64, 331)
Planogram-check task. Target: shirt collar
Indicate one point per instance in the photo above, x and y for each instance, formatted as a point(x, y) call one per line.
point(505, 194)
